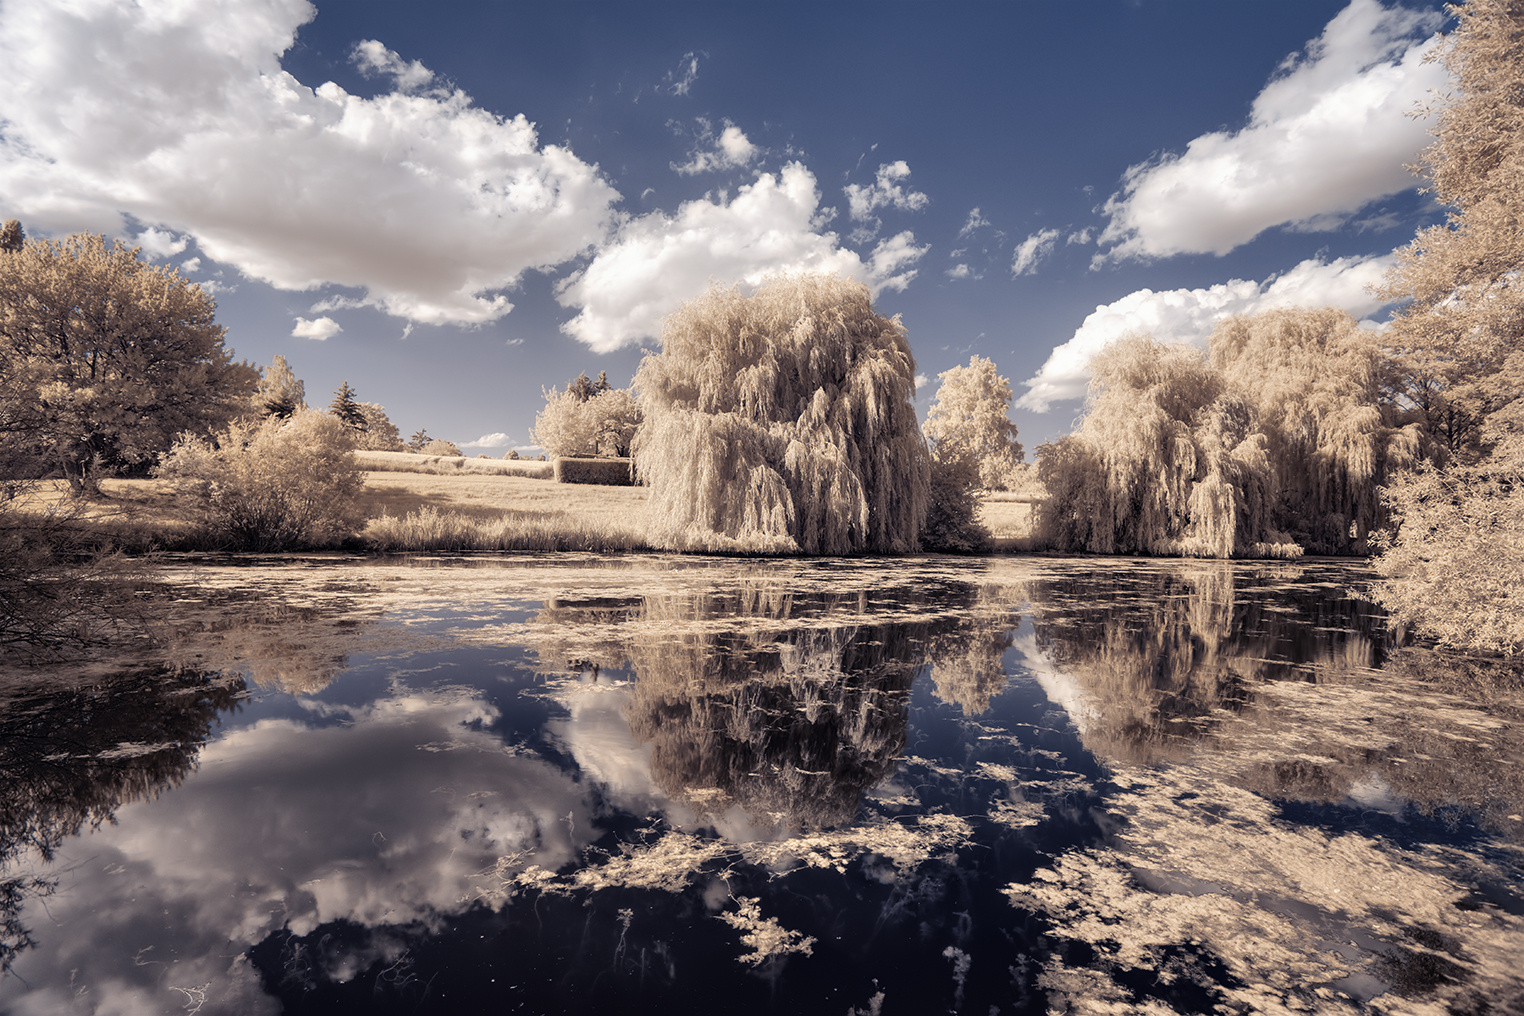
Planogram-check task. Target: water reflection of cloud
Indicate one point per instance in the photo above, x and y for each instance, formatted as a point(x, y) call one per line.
point(387, 821)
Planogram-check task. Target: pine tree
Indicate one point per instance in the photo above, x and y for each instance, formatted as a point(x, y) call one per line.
point(11, 235)
point(347, 409)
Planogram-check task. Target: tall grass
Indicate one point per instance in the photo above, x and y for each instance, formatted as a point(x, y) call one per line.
point(444, 465)
point(429, 529)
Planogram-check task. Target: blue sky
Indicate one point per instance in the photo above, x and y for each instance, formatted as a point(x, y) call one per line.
point(454, 205)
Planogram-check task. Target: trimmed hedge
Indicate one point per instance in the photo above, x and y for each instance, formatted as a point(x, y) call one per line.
point(609, 472)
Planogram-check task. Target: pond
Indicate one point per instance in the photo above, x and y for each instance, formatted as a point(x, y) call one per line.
point(571, 784)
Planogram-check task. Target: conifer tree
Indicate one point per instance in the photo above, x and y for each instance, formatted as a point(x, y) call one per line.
point(347, 409)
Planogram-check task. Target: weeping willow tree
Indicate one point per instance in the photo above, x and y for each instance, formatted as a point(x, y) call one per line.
point(782, 422)
point(1315, 379)
point(1166, 461)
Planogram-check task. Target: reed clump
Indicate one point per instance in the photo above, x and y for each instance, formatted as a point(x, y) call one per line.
point(432, 530)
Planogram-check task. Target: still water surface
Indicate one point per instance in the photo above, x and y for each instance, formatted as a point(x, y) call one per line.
point(573, 784)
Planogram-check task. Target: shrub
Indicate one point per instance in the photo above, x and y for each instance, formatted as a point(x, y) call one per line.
point(441, 448)
point(609, 472)
point(952, 525)
point(272, 485)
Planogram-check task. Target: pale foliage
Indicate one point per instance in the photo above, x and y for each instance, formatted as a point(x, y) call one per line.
point(1465, 309)
point(600, 421)
point(441, 447)
point(1455, 568)
point(379, 434)
point(271, 485)
point(104, 358)
point(1314, 379)
point(783, 421)
point(280, 391)
point(1166, 461)
point(969, 418)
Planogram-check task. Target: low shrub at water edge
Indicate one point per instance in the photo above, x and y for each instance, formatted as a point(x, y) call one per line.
point(429, 529)
point(608, 472)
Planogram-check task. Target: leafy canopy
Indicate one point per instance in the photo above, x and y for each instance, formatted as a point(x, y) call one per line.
point(104, 358)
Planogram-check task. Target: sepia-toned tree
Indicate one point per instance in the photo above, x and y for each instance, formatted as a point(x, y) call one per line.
point(969, 418)
point(104, 358)
point(1314, 379)
point(783, 421)
point(281, 393)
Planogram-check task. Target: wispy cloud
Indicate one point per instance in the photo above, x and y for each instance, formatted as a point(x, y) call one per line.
point(1326, 136)
point(496, 439)
point(1031, 251)
point(730, 149)
point(886, 191)
point(680, 81)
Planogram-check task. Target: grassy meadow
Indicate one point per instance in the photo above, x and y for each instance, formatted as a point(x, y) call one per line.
point(428, 503)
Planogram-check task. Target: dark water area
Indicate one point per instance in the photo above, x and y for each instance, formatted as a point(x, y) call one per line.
point(566, 784)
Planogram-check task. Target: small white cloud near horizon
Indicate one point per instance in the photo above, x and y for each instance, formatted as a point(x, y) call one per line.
point(496, 439)
point(657, 261)
point(319, 329)
point(1031, 251)
point(1326, 136)
point(1190, 315)
point(731, 149)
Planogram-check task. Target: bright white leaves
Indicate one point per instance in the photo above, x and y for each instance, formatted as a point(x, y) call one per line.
point(656, 262)
point(1328, 135)
point(1189, 315)
point(186, 120)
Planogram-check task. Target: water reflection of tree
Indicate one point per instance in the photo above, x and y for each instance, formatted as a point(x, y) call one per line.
point(1163, 653)
point(786, 703)
point(70, 758)
point(1287, 686)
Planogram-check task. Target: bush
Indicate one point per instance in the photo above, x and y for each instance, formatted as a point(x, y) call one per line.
point(609, 472)
point(952, 525)
point(439, 447)
point(272, 485)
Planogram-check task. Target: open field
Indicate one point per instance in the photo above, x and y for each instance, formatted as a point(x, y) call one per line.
point(142, 515)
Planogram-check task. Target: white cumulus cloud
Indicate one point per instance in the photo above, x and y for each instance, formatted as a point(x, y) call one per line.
point(182, 118)
point(494, 440)
point(658, 261)
point(1326, 136)
point(730, 150)
point(1031, 251)
point(1190, 315)
point(318, 329)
